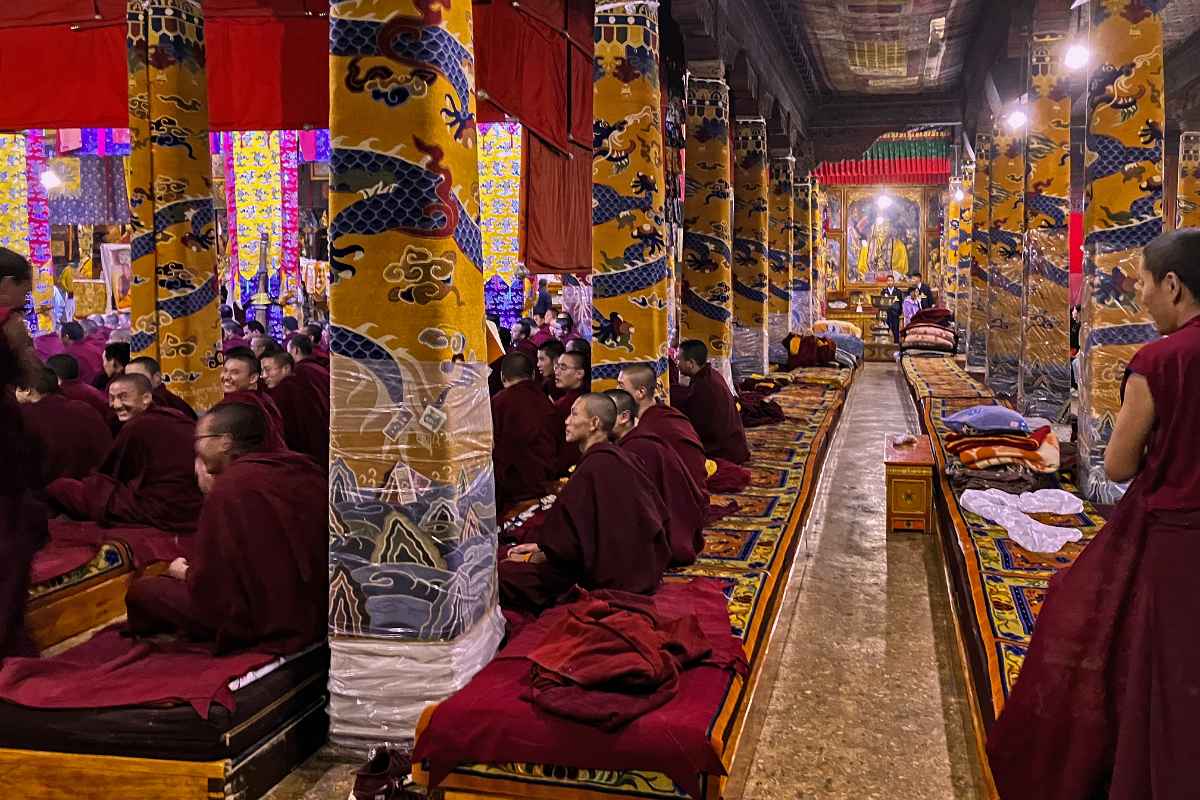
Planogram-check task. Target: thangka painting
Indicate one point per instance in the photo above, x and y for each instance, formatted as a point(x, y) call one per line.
point(883, 234)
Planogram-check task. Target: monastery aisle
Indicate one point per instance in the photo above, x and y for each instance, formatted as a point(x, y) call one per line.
point(862, 694)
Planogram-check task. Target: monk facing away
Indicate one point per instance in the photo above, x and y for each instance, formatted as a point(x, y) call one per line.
point(152, 371)
point(147, 477)
point(258, 579)
point(72, 388)
point(711, 407)
point(1107, 704)
point(303, 407)
point(669, 424)
point(311, 365)
point(524, 433)
point(70, 437)
point(606, 530)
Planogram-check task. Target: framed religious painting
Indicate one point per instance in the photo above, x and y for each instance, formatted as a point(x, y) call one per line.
point(833, 264)
point(834, 209)
point(885, 230)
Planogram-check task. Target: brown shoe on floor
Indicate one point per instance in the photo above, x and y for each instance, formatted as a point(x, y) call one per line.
point(383, 776)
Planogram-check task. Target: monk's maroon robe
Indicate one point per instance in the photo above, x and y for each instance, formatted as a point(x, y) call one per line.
point(71, 438)
point(1107, 704)
point(85, 393)
point(311, 372)
point(255, 398)
point(258, 579)
point(89, 357)
point(714, 414)
point(542, 335)
point(674, 428)
point(304, 410)
point(165, 397)
point(148, 477)
point(568, 452)
point(606, 530)
point(686, 501)
point(525, 442)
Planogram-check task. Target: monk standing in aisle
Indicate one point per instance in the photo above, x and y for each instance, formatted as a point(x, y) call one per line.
point(711, 407)
point(152, 371)
point(72, 439)
point(304, 409)
point(1107, 704)
point(147, 477)
point(259, 577)
point(525, 433)
point(606, 530)
point(668, 423)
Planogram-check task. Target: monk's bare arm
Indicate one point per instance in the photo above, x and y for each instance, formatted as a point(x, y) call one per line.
point(1123, 457)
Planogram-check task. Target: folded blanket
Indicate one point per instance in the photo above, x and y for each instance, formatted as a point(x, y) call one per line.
point(1044, 459)
point(757, 410)
point(727, 478)
point(929, 331)
point(957, 443)
point(935, 316)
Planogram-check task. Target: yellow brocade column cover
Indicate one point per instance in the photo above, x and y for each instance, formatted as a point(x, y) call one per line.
point(1045, 380)
point(629, 248)
point(1006, 259)
point(1123, 185)
point(750, 283)
point(174, 293)
point(964, 257)
point(948, 286)
point(820, 248)
point(1187, 198)
point(412, 523)
point(980, 253)
point(801, 257)
point(706, 311)
point(779, 255)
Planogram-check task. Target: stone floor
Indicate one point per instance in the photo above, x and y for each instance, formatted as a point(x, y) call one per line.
point(861, 696)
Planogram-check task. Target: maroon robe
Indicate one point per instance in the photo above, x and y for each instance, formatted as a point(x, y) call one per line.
point(311, 372)
point(714, 414)
point(686, 501)
point(674, 428)
point(1107, 704)
point(85, 393)
point(72, 439)
point(568, 453)
point(256, 398)
point(525, 443)
point(527, 347)
point(304, 410)
point(148, 477)
point(165, 397)
point(539, 337)
point(258, 578)
point(233, 343)
point(606, 530)
point(90, 360)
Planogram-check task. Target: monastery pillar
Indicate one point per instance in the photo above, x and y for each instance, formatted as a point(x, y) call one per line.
point(948, 286)
point(629, 248)
point(980, 235)
point(1006, 257)
point(802, 316)
point(750, 237)
point(779, 256)
point(1044, 388)
point(412, 600)
point(819, 260)
point(1123, 185)
point(706, 312)
point(1187, 197)
point(174, 295)
point(963, 258)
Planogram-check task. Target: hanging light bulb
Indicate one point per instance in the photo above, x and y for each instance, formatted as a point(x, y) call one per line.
point(884, 201)
point(1077, 56)
point(959, 195)
point(50, 180)
point(1016, 120)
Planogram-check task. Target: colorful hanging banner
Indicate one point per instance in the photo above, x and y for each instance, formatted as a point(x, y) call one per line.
point(40, 258)
point(500, 199)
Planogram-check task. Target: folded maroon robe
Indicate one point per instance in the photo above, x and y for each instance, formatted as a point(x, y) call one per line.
point(165, 397)
point(147, 545)
point(606, 530)
point(525, 442)
point(71, 437)
point(304, 410)
point(78, 390)
point(674, 428)
point(258, 577)
point(758, 411)
point(148, 478)
point(729, 478)
point(687, 502)
point(714, 414)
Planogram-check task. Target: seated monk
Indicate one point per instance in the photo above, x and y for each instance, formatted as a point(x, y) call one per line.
point(258, 578)
point(520, 340)
point(525, 434)
point(547, 360)
point(241, 372)
point(711, 406)
point(311, 367)
point(606, 530)
point(116, 357)
point(88, 355)
point(147, 477)
point(72, 388)
point(569, 372)
point(686, 500)
point(72, 439)
point(668, 423)
point(261, 345)
point(150, 368)
point(303, 409)
point(316, 332)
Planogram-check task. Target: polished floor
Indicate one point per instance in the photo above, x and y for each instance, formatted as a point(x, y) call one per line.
point(861, 695)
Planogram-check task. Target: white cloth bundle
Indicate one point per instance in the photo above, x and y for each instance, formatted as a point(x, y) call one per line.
point(1012, 511)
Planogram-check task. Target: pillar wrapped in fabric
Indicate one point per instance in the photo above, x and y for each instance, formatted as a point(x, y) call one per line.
point(706, 311)
point(750, 213)
point(1124, 190)
point(964, 258)
point(629, 248)
point(1006, 260)
point(1187, 197)
point(980, 253)
point(1044, 388)
point(801, 257)
point(169, 172)
point(820, 251)
point(779, 257)
point(412, 598)
point(948, 287)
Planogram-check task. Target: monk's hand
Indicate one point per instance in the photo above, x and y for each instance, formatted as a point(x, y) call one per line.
point(178, 569)
point(526, 552)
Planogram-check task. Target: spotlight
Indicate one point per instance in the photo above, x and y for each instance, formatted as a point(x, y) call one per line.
point(959, 195)
point(50, 180)
point(884, 201)
point(1016, 120)
point(880, 219)
point(1077, 57)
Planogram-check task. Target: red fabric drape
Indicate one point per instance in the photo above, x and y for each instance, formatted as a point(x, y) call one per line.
point(558, 209)
point(932, 171)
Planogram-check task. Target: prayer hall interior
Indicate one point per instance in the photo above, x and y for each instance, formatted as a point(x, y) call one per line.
point(599, 399)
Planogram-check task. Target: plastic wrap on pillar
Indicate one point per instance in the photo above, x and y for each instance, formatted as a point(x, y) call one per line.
point(1006, 259)
point(1187, 199)
point(629, 247)
point(779, 257)
point(950, 235)
point(964, 258)
point(706, 312)
point(674, 143)
point(412, 598)
point(980, 253)
point(801, 255)
point(750, 215)
point(1123, 178)
point(820, 278)
point(1045, 379)
point(169, 172)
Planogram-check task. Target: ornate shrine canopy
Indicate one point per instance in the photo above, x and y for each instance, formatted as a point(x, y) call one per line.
point(912, 157)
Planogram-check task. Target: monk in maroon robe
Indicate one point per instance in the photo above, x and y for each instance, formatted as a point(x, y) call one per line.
point(544, 332)
point(711, 407)
point(668, 423)
point(150, 368)
point(310, 367)
point(86, 354)
point(71, 438)
point(72, 388)
point(547, 359)
point(303, 408)
point(525, 433)
point(521, 331)
point(686, 500)
point(569, 372)
point(147, 477)
point(258, 578)
point(1107, 704)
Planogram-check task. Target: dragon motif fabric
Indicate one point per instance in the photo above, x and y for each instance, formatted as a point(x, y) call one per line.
point(1006, 264)
point(779, 256)
point(980, 253)
point(801, 258)
point(751, 283)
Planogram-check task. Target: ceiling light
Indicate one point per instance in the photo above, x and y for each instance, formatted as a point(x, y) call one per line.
point(959, 195)
point(1016, 120)
point(1077, 56)
point(884, 201)
point(880, 219)
point(50, 180)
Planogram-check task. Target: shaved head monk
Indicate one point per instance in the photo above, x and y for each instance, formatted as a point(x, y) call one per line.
point(668, 423)
point(311, 367)
point(569, 373)
point(525, 434)
point(67, 370)
point(258, 579)
point(686, 500)
point(547, 359)
point(71, 438)
point(304, 409)
point(711, 406)
point(152, 371)
point(147, 478)
point(606, 530)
